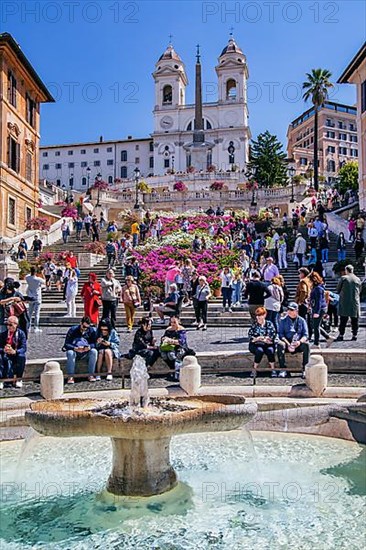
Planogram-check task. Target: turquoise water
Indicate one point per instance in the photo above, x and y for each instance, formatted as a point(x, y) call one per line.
point(290, 491)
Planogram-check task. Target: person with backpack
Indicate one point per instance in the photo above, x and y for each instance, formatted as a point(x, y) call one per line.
point(111, 253)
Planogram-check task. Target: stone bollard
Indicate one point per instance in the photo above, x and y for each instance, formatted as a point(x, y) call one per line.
point(190, 375)
point(316, 375)
point(52, 381)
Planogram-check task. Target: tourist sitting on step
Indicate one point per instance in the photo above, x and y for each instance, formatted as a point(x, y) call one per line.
point(262, 341)
point(13, 348)
point(107, 346)
point(174, 347)
point(293, 336)
point(144, 343)
point(80, 343)
point(170, 304)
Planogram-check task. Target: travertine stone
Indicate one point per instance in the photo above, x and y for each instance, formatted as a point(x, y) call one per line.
point(190, 375)
point(52, 381)
point(316, 375)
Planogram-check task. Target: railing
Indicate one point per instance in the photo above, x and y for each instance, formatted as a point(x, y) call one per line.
point(205, 194)
point(48, 237)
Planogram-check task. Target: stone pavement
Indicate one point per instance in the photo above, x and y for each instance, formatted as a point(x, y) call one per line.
point(49, 343)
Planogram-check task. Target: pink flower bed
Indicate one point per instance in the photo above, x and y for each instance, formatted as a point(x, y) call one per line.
point(200, 222)
point(208, 262)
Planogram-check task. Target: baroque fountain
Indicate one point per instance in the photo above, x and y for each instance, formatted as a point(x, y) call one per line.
point(140, 429)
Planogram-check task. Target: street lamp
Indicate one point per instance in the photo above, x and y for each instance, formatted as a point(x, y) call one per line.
point(137, 181)
point(98, 179)
point(291, 173)
point(88, 170)
point(253, 173)
point(173, 159)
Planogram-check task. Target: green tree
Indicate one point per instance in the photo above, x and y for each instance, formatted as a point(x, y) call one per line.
point(316, 88)
point(348, 177)
point(267, 163)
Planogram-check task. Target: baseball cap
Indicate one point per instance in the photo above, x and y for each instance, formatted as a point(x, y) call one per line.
point(293, 306)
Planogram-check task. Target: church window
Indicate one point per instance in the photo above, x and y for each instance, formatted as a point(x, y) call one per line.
point(166, 163)
point(189, 127)
point(167, 95)
point(208, 125)
point(231, 89)
point(231, 151)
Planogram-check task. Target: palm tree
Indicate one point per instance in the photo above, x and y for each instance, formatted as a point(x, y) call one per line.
point(316, 87)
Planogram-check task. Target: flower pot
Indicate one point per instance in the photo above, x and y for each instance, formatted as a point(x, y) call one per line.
point(217, 292)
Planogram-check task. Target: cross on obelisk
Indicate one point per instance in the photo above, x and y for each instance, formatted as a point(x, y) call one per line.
point(170, 39)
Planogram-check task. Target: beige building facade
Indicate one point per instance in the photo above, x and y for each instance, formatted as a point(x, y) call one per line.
point(355, 73)
point(21, 93)
point(338, 140)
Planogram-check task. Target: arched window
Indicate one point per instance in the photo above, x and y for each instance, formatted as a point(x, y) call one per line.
point(208, 125)
point(123, 172)
point(167, 95)
point(189, 127)
point(83, 181)
point(231, 89)
point(110, 179)
point(124, 156)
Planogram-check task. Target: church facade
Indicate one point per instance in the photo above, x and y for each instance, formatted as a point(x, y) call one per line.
point(224, 130)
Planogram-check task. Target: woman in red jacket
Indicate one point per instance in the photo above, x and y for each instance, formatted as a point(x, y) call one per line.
point(91, 293)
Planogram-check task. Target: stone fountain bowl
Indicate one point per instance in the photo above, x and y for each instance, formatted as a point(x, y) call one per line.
point(140, 436)
point(163, 417)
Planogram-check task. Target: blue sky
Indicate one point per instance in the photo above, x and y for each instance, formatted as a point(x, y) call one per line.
point(97, 57)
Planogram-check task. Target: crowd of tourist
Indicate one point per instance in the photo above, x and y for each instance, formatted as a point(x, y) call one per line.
point(280, 324)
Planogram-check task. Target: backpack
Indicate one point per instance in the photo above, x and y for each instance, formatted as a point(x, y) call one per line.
point(110, 249)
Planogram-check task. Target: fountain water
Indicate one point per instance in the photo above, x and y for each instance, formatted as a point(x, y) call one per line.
point(139, 395)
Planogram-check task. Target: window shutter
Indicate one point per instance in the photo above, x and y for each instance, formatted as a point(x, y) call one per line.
point(9, 152)
point(18, 157)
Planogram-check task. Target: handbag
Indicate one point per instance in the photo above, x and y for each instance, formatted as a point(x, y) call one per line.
point(167, 347)
point(17, 309)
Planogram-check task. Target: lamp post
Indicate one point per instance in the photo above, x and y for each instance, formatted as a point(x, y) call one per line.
point(253, 173)
point(98, 180)
point(137, 181)
point(291, 173)
point(173, 159)
point(88, 170)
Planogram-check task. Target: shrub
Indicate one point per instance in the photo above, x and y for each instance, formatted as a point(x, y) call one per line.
point(180, 187)
point(217, 186)
point(24, 268)
point(95, 248)
point(69, 212)
point(38, 224)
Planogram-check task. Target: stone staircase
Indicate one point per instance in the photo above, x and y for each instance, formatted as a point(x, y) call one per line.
point(54, 309)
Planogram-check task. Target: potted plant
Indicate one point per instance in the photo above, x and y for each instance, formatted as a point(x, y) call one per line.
point(180, 187)
point(215, 286)
point(217, 186)
point(38, 224)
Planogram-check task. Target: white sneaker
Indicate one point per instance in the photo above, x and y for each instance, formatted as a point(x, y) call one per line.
point(195, 323)
point(1, 385)
point(38, 329)
point(230, 310)
point(97, 378)
point(109, 377)
point(19, 384)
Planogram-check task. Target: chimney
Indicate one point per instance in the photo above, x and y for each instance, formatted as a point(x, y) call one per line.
point(100, 139)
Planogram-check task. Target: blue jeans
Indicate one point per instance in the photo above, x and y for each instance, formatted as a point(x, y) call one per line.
point(325, 252)
point(237, 288)
point(341, 255)
point(226, 292)
point(135, 239)
point(72, 357)
point(34, 307)
point(273, 317)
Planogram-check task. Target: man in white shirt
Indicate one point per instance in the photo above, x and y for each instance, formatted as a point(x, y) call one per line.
point(35, 285)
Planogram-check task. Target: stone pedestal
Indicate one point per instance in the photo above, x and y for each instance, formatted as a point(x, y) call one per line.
point(316, 375)
point(87, 259)
point(8, 268)
point(141, 467)
point(190, 375)
point(52, 381)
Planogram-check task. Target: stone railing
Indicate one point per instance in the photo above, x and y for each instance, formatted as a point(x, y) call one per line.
point(48, 237)
point(262, 196)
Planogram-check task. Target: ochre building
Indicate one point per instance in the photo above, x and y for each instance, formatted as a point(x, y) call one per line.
point(21, 93)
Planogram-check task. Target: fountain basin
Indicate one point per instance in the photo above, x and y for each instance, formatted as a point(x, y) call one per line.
point(140, 436)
